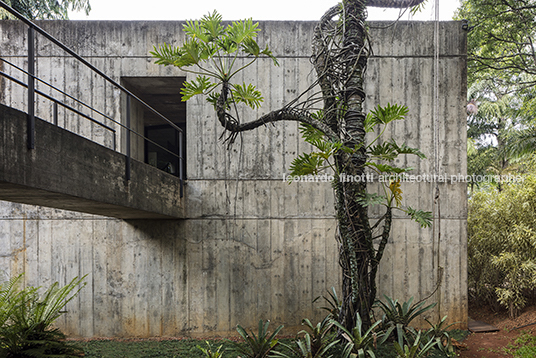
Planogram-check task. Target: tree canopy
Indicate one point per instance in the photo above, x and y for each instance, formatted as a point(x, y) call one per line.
point(501, 41)
point(45, 9)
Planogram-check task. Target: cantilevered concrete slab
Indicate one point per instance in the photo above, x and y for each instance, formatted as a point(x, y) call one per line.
point(66, 171)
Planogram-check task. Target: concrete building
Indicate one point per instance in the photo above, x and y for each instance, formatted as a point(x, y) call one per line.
point(241, 244)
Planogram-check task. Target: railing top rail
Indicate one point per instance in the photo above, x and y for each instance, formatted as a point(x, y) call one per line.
point(82, 60)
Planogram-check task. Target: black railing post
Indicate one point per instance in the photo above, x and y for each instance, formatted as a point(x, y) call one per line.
point(55, 114)
point(181, 165)
point(127, 173)
point(30, 132)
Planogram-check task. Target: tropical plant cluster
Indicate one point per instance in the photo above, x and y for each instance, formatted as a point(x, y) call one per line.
point(27, 317)
point(45, 9)
point(502, 245)
point(332, 121)
point(501, 140)
point(391, 336)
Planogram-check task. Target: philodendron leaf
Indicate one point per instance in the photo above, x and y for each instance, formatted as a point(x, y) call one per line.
point(424, 218)
point(369, 199)
point(389, 113)
point(247, 94)
point(306, 164)
point(199, 85)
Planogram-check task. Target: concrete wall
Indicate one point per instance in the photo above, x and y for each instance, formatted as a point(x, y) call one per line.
point(252, 246)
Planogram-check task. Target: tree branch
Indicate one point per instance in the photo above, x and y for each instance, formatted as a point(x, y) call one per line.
point(284, 114)
point(393, 3)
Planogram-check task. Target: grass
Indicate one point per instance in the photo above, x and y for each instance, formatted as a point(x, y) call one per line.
point(155, 349)
point(523, 347)
point(187, 348)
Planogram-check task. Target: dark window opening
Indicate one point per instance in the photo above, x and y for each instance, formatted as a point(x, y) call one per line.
point(162, 94)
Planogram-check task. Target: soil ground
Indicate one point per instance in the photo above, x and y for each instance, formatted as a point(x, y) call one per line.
point(493, 344)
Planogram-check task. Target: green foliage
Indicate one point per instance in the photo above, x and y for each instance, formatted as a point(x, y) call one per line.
point(502, 244)
point(524, 346)
point(409, 347)
point(215, 54)
point(316, 342)
point(501, 40)
point(209, 353)
point(334, 303)
point(395, 313)
point(381, 156)
point(520, 275)
point(361, 343)
point(27, 318)
point(258, 346)
point(439, 332)
point(45, 9)
point(384, 115)
point(424, 218)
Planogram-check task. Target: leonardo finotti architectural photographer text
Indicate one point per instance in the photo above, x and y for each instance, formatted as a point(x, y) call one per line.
point(410, 178)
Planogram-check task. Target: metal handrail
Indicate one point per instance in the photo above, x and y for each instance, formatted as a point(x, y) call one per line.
point(19, 82)
point(31, 97)
point(85, 62)
point(63, 93)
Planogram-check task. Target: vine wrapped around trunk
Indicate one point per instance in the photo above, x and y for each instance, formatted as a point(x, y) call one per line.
point(337, 131)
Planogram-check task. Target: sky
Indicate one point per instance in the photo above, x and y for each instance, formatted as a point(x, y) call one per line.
point(241, 9)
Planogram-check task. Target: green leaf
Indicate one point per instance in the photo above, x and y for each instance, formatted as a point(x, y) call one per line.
point(391, 150)
point(369, 199)
point(212, 25)
point(306, 164)
point(309, 133)
point(251, 47)
point(239, 31)
point(384, 115)
point(166, 55)
point(200, 85)
point(424, 218)
point(195, 30)
point(247, 94)
point(269, 53)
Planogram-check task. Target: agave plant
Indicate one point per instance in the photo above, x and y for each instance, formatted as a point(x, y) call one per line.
point(395, 313)
point(257, 346)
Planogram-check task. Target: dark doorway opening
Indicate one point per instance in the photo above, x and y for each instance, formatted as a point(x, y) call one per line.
point(162, 94)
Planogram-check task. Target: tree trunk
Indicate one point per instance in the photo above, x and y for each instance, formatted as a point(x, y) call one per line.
point(355, 236)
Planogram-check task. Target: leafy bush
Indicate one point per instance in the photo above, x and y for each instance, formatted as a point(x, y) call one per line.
point(27, 318)
point(502, 244)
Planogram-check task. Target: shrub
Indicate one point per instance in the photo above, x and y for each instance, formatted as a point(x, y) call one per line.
point(502, 244)
point(26, 319)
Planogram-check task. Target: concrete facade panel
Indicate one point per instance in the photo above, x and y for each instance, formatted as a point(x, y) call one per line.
point(250, 245)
